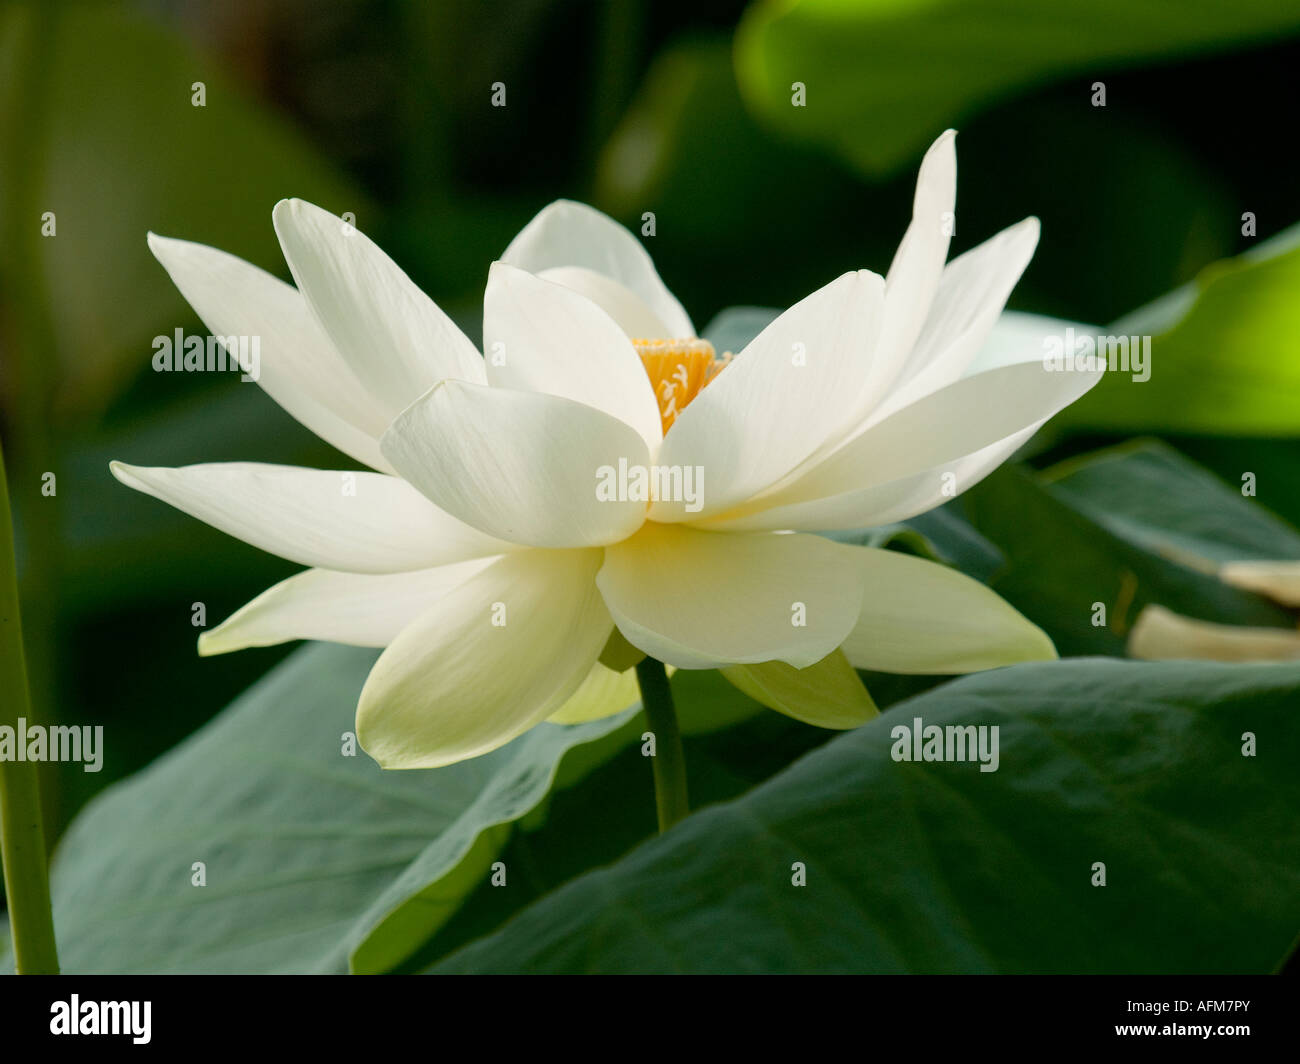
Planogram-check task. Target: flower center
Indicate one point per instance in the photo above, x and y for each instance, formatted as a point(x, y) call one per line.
point(678, 370)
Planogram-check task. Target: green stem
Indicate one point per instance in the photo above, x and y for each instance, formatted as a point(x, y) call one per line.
point(22, 844)
point(31, 351)
point(669, 762)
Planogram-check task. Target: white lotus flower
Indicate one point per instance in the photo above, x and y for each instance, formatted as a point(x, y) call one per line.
point(479, 552)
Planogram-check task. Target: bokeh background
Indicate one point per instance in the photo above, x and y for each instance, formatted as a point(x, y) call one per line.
point(680, 107)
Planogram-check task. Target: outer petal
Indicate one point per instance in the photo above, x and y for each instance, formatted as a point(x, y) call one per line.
point(602, 694)
point(1278, 580)
point(455, 684)
point(828, 694)
point(573, 234)
point(1018, 337)
point(360, 609)
point(1162, 635)
point(918, 264)
point(921, 617)
point(882, 504)
point(955, 421)
point(1015, 339)
point(972, 292)
point(699, 600)
point(518, 465)
point(792, 391)
point(1001, 406)
point(299, 367)
point(355, 522)
point(963, 334)
point(393, 336)
point(542, 337)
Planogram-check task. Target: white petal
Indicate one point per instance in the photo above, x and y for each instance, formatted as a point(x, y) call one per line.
point(972, 292)
point(881, 504)
point(393, 336)
point(630, 312)
point(932, 435)
point(542, 337)
point(573, 234)
point(921, 617)
point(359, 609)
point(828, 694)
point(1279, 580)
point(791, 392)
point(1019, 337)
point(699, 600)
point(519, 465)
point(949, 424)
point(498, 654)
point(965, 329)
point(918, 264)
point(602, 694)
point(299, 367)
point(1162, 635)
point(355, 522)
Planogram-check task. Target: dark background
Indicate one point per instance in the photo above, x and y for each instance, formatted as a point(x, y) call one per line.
point(382, 108)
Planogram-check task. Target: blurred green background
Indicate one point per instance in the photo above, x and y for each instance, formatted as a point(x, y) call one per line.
point(681, 108)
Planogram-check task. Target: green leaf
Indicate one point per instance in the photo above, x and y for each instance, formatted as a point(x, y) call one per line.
point(601, 818)
point(1152, 496)
point(883, 77)
point(956, 541)
point(1061, 563)
point(1274, 463)
point(939, 867)
point(309, 855)
point(941, 535)
point(1224, 354)
point(120, 149)
point(897, 536)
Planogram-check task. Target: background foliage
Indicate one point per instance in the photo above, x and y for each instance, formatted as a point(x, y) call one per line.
point(382, 108)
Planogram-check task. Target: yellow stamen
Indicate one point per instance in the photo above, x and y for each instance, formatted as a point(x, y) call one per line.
point(678, 370)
